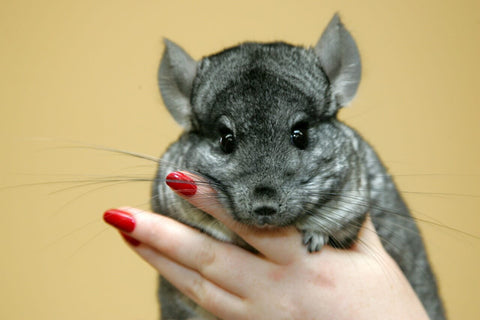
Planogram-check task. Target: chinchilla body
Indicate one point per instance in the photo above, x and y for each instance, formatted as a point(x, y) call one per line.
point(260, 125)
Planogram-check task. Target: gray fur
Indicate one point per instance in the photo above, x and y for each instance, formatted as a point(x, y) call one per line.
point(260, 93)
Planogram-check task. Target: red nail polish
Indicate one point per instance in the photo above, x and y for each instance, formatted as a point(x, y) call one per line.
point(132, 241)
point(120, 219)
point(181, 183)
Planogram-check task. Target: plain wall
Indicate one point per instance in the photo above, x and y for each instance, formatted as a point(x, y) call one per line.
point(77, 73)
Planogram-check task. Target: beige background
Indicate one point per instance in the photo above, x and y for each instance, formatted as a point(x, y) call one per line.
point(84, 71)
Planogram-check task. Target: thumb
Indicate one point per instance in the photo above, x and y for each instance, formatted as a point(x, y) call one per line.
point(368, 238)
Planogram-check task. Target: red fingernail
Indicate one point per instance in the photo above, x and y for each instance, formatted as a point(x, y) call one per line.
point(120, 219)
point(134, 242)
point(181, 183)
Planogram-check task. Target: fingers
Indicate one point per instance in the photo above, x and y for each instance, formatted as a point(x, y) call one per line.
point(280, 245)
point(205, 293)
point(175, 243)
point(368, 234)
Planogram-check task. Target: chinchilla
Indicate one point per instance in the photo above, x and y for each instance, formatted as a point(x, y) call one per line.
point(260, 125)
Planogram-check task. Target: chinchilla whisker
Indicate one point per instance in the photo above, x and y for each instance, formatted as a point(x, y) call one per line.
point(90, 240)
point(419, 193)
point(145, 205)
point(341, 197)
point(210, 206)
point(380, 260)
point(72, 232)
point(416, 217)
point(209, 195)
point(210, 184)
point(81, 181)
point(139, 166)
point(37, 184)
point(109, 149)
point(327, 217)
point(397, 249)
point(332, 211)
point(111, 182)
point(441, 194)
point(426, 174)
point(400, 226)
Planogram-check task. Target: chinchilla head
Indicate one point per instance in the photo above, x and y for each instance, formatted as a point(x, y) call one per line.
point(260, 122)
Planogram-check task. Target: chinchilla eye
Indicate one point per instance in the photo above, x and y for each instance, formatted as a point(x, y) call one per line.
point(227, 142)
point(299, 135)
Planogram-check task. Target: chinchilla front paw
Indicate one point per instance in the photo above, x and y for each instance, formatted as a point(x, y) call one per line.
point(314, 240)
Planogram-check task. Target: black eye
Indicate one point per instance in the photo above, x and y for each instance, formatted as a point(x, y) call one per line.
point(227, 141)
point(299, 135)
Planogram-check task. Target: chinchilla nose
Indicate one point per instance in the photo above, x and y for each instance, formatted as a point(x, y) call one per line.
point(265, 211)
point(264, 200)
point(263, 191)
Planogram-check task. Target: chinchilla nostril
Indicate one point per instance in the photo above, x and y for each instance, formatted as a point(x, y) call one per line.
point(265, 211)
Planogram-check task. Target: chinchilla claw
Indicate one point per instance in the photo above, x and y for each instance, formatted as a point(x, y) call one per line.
point(314, 240)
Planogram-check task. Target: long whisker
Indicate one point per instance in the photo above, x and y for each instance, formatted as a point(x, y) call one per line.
point(119, 151)
point(403, 216)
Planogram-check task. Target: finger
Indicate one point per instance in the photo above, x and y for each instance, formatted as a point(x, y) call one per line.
point(191, 283)
point(224, 264)
point(368, 237)
point(280, 245)
point(369, 244)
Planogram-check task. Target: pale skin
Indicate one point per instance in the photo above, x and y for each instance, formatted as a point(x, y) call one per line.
point(282, 281)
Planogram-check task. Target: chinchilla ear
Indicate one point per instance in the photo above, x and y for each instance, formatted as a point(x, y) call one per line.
point(175, 77)
point(340, 59)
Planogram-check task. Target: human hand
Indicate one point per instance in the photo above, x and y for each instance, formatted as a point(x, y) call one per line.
point(282, 281)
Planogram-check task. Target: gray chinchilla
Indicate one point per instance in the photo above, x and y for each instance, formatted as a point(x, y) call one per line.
point(260, 124)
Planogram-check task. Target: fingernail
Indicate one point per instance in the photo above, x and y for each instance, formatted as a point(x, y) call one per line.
point(181, 183)
point(132, 241)
point(120, 219)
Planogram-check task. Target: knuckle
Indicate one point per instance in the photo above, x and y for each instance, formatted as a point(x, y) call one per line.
point(209, 301)
point(206, 255)
point(195, 290)
point(200, 292)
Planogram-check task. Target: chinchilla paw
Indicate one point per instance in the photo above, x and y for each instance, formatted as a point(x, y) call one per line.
point(314, 240)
